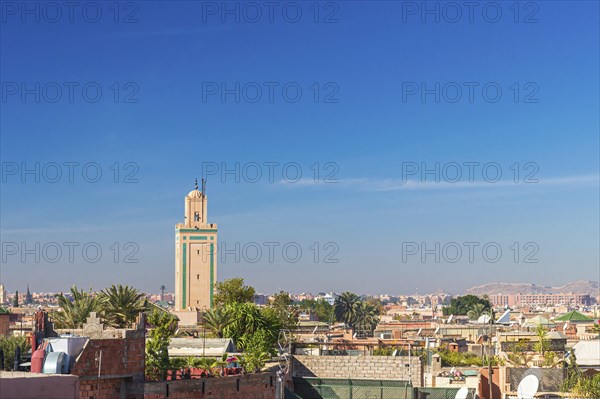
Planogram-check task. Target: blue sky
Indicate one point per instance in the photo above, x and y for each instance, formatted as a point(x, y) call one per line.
point(359, 117)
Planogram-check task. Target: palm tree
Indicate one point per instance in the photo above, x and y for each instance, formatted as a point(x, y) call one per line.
point(121, 304)
point(255, 361)
point(476, 311)
point(75, 312)
point(542, 343)
point(344, 307)
point(216, 320)
point(366, 317)
point(207, 364)
point(247, 319)
point(162, 292)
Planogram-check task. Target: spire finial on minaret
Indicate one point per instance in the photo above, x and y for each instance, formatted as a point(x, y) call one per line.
point(196, 183)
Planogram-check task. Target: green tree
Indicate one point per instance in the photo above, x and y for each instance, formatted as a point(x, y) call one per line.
point(259, 349)
point(462, 304)
point(254, 361)
point(16, 299)
point(519, 354)
point(216, 320)
point(281, 304)
point(9, 345)
point(476, 311)
point(74, 312)
point(281, 300)
point(344, 307)
point(233, 291)
point(411, 301)
point(177, 364)
point(249, 319)
point(365, 317)
point(542, 344)
point(322, 308)
point(579, 384)
point(549, 359)
point(120, 305)
point(376, 303)
point(461, 359)
point(157, 347)
point(208, 364)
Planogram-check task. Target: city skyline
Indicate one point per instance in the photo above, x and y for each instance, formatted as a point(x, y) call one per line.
point(593, 292)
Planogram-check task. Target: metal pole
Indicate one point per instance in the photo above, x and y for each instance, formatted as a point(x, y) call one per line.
point(490, 358)
point(99, 371)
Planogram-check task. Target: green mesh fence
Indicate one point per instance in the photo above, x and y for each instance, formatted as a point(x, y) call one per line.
point(290, 395)
point(331, 388)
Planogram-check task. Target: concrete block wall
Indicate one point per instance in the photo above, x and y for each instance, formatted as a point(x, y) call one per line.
point(360, 367)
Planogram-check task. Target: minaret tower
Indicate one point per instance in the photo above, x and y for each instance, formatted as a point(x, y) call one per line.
point(195, 254)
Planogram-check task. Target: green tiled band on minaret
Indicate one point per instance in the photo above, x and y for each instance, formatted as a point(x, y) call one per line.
point(212, 272)
point(184, 282)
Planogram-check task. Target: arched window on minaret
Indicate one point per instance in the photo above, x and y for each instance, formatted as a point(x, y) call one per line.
point(196, 216)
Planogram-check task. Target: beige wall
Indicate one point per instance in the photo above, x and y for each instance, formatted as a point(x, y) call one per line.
point(20, 385)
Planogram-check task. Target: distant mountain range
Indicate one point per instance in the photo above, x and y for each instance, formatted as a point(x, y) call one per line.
point(575, 287)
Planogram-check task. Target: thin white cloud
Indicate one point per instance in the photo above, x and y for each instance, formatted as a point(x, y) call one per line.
point(395, 184)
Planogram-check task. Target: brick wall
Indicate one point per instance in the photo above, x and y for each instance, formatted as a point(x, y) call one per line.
point(359, 367)
point(251, 386)
point(105, 388)
point(120, 357)
point(122, 363)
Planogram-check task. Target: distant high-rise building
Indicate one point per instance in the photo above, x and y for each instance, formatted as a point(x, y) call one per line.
point(195, 254)
point(522, 300)
point(2, 294)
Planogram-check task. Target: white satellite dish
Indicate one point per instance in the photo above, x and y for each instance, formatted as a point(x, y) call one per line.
point(462, 393)
point(450, 318)
point(484, 319)
point(437, 330)
point(395, 352)
point(528, 387)
point(419, 332)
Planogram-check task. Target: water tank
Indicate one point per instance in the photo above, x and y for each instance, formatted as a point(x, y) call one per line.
point(70, 344)
point(37, 360)
point(56, 363)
